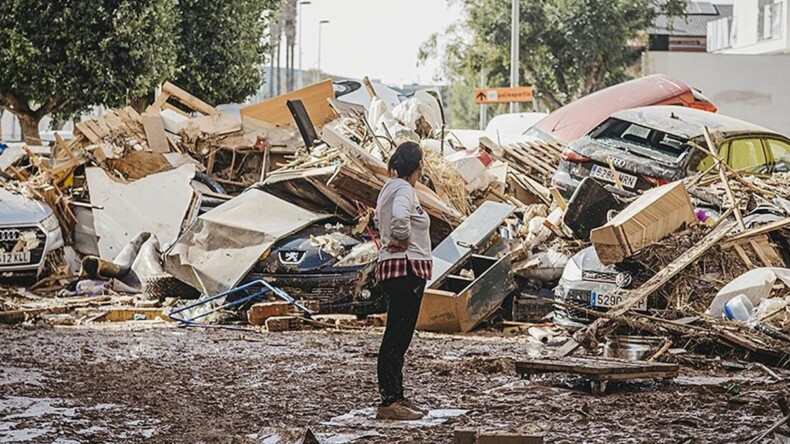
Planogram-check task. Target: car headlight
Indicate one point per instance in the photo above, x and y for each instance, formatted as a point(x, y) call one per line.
point(50, 223)
point(361, 254)
point(572, 272)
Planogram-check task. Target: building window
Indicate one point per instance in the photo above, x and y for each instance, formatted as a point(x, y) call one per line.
point(769, 23)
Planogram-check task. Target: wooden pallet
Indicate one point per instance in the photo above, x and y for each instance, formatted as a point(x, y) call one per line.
point(537, 158)
point(763, 250)
point(598, 370)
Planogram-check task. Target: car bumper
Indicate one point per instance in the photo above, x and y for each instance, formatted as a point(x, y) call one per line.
point(51, 240)
point(578, 293)
point(566, 182)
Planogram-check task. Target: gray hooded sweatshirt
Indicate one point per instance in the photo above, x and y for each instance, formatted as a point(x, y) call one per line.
point(400, 216)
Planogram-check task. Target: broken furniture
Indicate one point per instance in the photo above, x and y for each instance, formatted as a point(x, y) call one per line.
point(314, 97)
point(589, 208)
point(599, 370)
point(467, 286)
point(657, 213)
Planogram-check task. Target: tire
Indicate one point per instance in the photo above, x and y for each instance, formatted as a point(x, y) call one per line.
point(166, 286)
point(212, 184)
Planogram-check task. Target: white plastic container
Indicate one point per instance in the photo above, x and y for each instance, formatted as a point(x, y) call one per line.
point(739, 308)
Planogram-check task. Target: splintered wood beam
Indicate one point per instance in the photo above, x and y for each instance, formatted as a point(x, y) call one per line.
point(632, 298)
point(188, 99)
point(764, 229)
point(723, 177)
point(555, 193)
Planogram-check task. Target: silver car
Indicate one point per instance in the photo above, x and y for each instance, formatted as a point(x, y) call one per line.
point(29, 232)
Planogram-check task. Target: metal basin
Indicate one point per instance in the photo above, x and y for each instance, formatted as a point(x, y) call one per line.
point(632, 348)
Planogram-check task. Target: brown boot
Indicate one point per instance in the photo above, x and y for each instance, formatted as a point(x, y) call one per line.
point(417, 408)
point(398, 411)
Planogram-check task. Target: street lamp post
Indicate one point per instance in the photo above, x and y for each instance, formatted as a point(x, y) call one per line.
point(322, 22)
point(514, 46)
point(301, 44)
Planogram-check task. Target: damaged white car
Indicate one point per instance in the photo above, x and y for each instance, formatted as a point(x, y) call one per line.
point(29, 232)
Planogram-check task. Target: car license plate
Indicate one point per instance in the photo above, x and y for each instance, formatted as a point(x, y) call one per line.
point(21, 257)
point(610, 300)
point(606, 174)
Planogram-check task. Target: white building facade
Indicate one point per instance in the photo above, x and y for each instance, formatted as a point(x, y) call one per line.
point(756, 27)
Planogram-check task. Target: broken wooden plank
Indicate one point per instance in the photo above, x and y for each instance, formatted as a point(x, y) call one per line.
point(588, 335)
point(566, 349)
point(555, 193)
point(742, 254)
point(533, 164)
point(83, 129)
point(723, 176)
point(314, 97)
point(766, 251)
point(764, 229)
point(188, 99)
point(125, 314)
point(161, 100)
point(155, 132)
point(599, 368)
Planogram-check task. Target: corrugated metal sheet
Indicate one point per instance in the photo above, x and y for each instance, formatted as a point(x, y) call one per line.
point(695, 24)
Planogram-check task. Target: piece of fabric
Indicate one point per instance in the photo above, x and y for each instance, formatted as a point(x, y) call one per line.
point(400, 216)
point(395, 268)
point(405, 297)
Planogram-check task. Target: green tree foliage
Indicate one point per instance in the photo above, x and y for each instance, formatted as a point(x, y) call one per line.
point(61, 57)
point(64, 56)
point(569, 48)
point(222, 47)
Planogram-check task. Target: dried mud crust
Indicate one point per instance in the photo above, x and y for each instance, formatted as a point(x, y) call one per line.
point(173, 385)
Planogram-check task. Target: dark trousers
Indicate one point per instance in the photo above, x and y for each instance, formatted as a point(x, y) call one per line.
point(405, 296)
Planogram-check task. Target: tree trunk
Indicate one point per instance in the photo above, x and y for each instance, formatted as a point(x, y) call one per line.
point(29, 125)
point(139, 103)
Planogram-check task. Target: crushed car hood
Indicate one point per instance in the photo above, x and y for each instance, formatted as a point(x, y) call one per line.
point(312, 250)
point(16, 209)
point(628, 162)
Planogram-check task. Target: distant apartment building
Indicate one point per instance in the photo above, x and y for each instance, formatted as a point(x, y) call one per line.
point(756, 27)
point(687, 33)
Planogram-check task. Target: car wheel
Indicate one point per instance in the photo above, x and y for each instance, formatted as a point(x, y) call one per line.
point(166, 286)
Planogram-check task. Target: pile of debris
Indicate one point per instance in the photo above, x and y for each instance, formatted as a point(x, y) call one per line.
point(168, 202)
point(186, 202)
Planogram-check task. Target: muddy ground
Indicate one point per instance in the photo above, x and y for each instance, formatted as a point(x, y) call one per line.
point(153, 384)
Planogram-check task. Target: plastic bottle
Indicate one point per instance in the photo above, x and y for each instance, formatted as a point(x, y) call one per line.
point(739, 308)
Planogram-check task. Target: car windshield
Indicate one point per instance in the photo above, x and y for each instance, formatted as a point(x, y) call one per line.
point(658, 142)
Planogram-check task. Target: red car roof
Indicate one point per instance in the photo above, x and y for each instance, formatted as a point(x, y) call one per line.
point(577, 118)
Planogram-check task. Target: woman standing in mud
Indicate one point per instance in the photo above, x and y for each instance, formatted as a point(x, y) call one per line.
point(405, 264)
